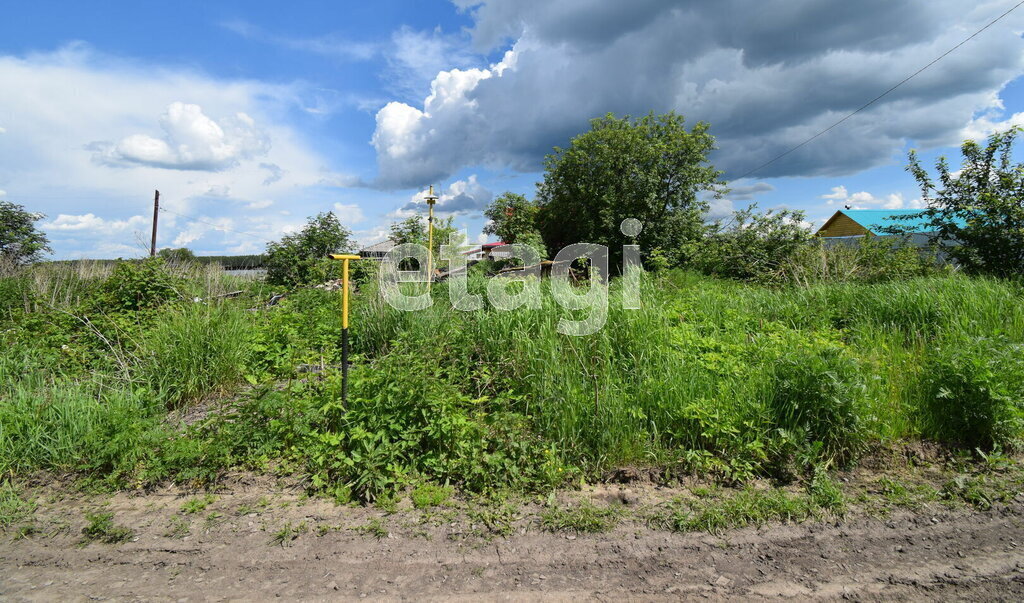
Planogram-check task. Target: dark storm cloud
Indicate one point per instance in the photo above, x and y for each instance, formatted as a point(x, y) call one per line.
point(766, 75)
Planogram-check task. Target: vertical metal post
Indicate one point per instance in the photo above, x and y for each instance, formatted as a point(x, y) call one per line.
point(156, 214)
point(431, 200)
point(344, 333)
point(344, 322)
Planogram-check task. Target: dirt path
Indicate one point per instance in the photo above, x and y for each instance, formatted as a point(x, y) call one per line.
point(229, 555)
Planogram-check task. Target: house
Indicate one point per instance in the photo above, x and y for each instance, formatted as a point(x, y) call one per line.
point(488, 251)
point(855, 223)
point(377, 251)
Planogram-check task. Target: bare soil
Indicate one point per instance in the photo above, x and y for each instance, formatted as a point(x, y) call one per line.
point(257, 542)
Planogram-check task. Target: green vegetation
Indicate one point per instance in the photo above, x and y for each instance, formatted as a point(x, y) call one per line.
point(101, 528)
point(20, 241)
point(585, 517)
point(721, 378)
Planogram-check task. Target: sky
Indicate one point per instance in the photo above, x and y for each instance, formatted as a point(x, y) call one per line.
point(251, 116)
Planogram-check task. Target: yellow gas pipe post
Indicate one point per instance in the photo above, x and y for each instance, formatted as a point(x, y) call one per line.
point(431, 199)
point(344, 322)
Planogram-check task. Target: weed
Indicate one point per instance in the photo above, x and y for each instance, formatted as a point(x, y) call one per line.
point(374, 527)
point(430, 495)
point(584, 517)
point(101, 528)
point(197, 505)
point(288, 533)
point(178, 527)
point(13, 508)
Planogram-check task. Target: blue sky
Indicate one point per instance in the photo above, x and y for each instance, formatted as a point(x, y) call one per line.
point(251, 116)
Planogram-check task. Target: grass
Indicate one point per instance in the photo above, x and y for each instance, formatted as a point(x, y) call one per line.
point(197, 505)
point(728, 380)
point(101, 528)
point(583, 518)
point(288, 532)
point(13, 508)
point(425, 496)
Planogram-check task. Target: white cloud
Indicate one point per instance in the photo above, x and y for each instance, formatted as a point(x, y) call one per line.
point(349, 214)
point(766, 82)
point(461, 198)
point(865, 200)
point(191, 141)
point(259, 204)
point(3, 130)
point(94, 224)
point(48, 162)
point(984, 126)
point(3, 193)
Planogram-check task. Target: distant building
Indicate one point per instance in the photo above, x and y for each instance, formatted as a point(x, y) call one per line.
point(489, 251)
point(377, 251)
point(855, 223)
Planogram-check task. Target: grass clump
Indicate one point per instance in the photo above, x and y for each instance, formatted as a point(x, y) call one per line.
point(582, 518)
point(13, 508)
point(197, 505)
point(425, 496)
point(101, 528)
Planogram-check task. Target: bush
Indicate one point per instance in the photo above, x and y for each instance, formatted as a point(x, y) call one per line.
point(817, 401)
point(301, 258)
point(138, 285)
point(974, 393)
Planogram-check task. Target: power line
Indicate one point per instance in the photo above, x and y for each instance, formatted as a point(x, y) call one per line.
point(882, 95)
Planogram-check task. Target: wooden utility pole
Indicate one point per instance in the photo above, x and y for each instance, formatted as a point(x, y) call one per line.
point(156, 212)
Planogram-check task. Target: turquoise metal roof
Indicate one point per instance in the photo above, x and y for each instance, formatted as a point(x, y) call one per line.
point(875, 220)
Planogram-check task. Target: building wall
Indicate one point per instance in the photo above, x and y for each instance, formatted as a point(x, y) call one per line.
point(843, 226)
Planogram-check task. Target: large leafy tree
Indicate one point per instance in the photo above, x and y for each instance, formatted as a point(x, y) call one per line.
point(20, 241)
point(513, 219)
point(650, 168)
point(978, 212)
point(301, 258)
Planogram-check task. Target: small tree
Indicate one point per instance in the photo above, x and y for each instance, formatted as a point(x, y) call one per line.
point(180, 255)
point(651, 169)
point(754, 246)
point(414, 230)
point(20, 241)
point(513, 218)
point(301, 258)
point(978, 214)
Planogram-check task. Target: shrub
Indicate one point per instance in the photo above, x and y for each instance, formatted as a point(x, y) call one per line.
point(137, 285)
point(817, 401)
point(301, 258)
point(974, 393)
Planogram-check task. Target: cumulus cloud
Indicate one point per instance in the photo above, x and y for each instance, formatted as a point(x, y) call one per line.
point(191, 141)
point(865, 200)
point(766, 76)
point(94, 224)
point(73, 96)
point(461, 198)
point(349, 213)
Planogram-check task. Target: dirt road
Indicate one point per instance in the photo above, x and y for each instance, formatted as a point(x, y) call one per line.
point(327, 552)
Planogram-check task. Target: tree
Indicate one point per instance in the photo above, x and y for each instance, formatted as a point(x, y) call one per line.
point(414, 230)
point(978, 214)
point(513, 218)
point(301, 258)
point(181, 255)
point(651, 169)
point(20, 241)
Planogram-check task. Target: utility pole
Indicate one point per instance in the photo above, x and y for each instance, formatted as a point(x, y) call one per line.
point(345, 259)
point(431, 199)
point(156, 212)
